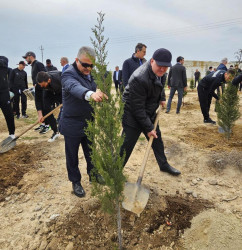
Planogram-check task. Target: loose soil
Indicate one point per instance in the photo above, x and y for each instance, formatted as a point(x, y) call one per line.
point(200, 209)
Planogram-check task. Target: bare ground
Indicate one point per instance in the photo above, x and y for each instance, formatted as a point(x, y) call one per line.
point(201, 209)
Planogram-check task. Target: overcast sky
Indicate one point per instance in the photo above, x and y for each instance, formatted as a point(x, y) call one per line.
point(198, 30)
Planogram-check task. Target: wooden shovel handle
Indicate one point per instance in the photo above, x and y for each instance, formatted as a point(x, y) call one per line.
point(148, 149)
point(50, 113)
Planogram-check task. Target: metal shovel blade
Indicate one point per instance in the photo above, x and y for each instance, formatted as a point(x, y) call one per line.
point(7, 144)
point(136, 197)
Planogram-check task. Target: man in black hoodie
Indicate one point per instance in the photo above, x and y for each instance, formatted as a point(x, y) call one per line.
point(5, 104)
point(50, 82)
point(131, 64)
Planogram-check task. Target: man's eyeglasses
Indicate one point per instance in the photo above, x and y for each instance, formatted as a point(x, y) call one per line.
point(85, 65)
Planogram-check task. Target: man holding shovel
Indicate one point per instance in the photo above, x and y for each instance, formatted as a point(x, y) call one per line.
point(142, 97)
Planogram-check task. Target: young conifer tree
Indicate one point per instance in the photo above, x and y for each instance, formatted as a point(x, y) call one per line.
point(228, 109)
point(105, 133)
point(192, 85)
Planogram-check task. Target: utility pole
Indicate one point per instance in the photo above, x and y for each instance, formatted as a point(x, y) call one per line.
point(42, 53)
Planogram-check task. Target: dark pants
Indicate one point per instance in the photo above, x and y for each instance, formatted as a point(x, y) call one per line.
point(196, 81)
point(205, 101)
point(180, 96)
point(72, 145)
point(131, 137)
point(117, 85)
point(240, 86)
point(5, 105)
point(18, 93)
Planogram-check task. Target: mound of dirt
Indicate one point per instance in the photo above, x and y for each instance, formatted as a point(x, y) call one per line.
point(161, 224)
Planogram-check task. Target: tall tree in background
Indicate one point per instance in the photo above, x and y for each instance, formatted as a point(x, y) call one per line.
point(105, 133)
point(228, 109)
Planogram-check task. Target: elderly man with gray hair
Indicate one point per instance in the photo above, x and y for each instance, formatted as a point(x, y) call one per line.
point(222, 65)
point(78, 88)
point(64, 63)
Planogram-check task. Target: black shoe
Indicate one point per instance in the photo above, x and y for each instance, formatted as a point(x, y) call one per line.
point(209, 120)
point(78, 189)
point(39, 128)
point(167, 111)
point(169, 169)
point(17, 116)
point(96, 178)
point(45, 129)
point(25, 116)
point(177, 112)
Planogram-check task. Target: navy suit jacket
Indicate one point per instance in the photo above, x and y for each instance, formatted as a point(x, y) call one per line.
point(119, 76)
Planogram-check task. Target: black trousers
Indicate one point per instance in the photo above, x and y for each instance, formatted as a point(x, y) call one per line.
point(18, 94)
point(5, 105)
point(131, 137)
point(205, 101)
point(117, 85)
point(72, 145)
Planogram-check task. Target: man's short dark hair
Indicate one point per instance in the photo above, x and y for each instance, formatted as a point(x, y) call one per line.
point(179, 58)
point(210, 67)
point(139, 47)
point(42, 77)
point(231, 72)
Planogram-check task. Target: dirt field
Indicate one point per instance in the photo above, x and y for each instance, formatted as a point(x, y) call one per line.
point(200, 209)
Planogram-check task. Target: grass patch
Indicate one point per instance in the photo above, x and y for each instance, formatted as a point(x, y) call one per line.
point(29, 137)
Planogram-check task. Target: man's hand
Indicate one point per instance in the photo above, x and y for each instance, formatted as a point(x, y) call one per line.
point(40, 116)
point(152, 133)
point(163, 103)
point(169, 87)
point(185, 89)
point(98, 96)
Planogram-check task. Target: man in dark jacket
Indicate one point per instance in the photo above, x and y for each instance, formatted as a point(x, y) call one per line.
point(78, 88)
point(222, 65)
point(131, 64)
point(197, 77)
point(142, 96)
point(37, 66)
point(177, 81)
point(206, 88)
point(50, 82)
point(18, 83)
point(5, 104)
point(49, 66)
point(117, 79)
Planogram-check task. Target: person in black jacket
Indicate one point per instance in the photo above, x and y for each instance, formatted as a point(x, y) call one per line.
point(50, 82)
point(206, 88)
point(117, 79)
point(197, 75)
point(49, 66)
point(142, 96)
point(177, 81)
point(37, 66)
point(18, 83)
point(131, 64)
point(5, 104)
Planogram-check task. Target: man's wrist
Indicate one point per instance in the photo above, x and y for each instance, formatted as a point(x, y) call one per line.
point(88, 95)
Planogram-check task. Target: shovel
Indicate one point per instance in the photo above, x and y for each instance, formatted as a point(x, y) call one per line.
point(135, 195)
point(9, 143)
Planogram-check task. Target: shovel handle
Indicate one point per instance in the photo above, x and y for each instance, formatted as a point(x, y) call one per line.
point(50, 113)
point(148, 149)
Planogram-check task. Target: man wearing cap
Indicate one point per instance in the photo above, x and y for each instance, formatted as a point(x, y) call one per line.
point(49, 66)
point(142, 96)
point(177, 81)
point(18, 83)
point(37, 66)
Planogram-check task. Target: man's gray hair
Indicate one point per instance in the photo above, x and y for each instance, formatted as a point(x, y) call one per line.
point(88, 51)
point(224, 60)
point(65, 59)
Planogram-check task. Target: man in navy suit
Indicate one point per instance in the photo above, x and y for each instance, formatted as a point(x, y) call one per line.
point(78, 88)
point(117, 79)
point(64, 63)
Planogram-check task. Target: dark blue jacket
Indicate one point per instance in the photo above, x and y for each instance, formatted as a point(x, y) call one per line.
point(222, 67)
point(129, 66)
point(76, 110)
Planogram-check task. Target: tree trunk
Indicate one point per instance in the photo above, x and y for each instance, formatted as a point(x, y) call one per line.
point(119, 225)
